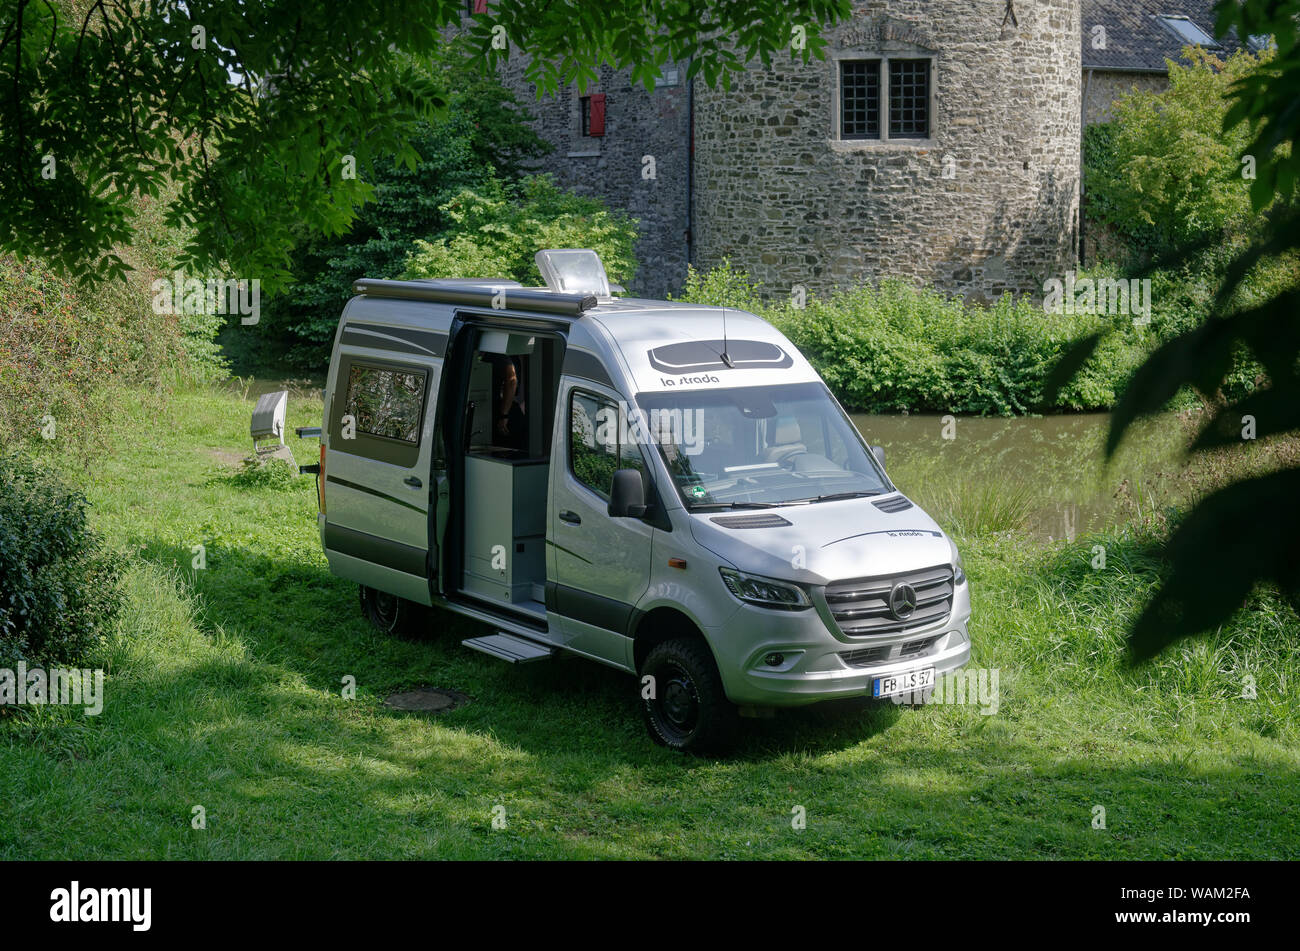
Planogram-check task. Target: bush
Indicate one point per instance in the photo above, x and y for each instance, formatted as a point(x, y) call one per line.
point(722, 286)
point(1163, 172)
point(59, 591)
point(496, 235)
point(896, 347)
point(68, 358)
point(275, 474)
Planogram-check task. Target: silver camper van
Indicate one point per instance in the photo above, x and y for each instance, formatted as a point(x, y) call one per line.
point(666, 488)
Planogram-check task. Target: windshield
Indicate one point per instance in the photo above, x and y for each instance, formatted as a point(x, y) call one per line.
point(754, 447)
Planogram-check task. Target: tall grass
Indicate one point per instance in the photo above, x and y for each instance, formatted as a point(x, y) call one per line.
point(1085, 594)
point(225, 691)
point(981, 507)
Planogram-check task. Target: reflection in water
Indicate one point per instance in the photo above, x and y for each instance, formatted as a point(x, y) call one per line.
point(1043, 475)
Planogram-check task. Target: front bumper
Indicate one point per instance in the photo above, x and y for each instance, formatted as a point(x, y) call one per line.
point(818, 662)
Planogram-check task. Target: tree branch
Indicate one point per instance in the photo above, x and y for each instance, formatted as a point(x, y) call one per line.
point(85, 24)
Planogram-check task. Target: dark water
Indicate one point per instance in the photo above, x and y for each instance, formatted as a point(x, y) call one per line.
point(1050, 469)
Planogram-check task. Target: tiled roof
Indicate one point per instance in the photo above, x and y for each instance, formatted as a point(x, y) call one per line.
point(1136, 39)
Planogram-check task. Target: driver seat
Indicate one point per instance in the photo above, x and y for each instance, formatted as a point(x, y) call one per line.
point(785, 440)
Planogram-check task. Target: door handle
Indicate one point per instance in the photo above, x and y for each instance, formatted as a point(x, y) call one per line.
point(573, 518)
point(413, 482)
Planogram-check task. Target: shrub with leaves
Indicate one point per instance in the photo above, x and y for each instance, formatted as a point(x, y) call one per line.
point(59, 590)
point(1164, 170)
point(895, 347)
point(69, 357)
point(494, 234)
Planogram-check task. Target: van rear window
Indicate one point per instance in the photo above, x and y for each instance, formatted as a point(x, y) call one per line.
point(386, 402)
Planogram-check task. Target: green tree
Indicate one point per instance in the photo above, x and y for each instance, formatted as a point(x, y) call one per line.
point(483, 135)
point(1247, 532)
point(262, 109)
point(1155, 172)
point(494, 234)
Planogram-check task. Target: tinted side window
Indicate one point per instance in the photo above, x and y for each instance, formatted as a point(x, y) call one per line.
point(595, 447)
point(386, 402)
point(377, 410)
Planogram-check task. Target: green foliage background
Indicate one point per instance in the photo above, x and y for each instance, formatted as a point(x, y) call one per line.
point(483, 141)
point(1166, 173)
point(79, 354)
point(897, 347)
point(59, 592)
point(493, 234)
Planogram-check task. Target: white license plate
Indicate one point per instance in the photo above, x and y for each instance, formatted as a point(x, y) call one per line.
point(905, 682)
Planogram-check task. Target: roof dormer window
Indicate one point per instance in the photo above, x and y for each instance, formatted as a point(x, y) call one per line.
point(1187, 31)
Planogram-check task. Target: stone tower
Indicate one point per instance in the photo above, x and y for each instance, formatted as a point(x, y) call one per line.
point(937, 141)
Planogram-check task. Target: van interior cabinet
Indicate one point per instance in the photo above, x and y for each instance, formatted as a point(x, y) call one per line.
point(505, 527)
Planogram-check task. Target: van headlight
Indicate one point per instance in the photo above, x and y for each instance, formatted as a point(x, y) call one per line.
point(958, 569)
point(764, 591)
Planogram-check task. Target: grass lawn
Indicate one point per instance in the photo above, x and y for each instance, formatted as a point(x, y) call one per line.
point(225, 686)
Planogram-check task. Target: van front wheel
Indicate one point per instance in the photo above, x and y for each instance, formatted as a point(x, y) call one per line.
point(683, 701)
point(391, 614)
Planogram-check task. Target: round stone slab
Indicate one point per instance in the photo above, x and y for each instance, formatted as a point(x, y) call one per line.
point(425, 700)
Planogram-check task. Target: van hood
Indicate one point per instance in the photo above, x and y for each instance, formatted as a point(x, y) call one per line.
point(824, 541)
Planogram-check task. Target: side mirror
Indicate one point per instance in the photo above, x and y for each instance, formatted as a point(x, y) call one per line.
point(879, 453)
point(627, 494)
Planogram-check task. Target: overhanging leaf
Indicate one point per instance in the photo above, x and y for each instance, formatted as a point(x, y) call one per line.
point(1071, 362)
point(1234, 539)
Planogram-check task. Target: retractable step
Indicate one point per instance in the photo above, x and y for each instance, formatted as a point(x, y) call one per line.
point(508, 647)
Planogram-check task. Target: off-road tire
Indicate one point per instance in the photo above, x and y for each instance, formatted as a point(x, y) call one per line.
point(393, 615)
point(689, 710)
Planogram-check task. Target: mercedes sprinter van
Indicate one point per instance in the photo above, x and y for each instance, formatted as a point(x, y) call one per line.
point(663, 487)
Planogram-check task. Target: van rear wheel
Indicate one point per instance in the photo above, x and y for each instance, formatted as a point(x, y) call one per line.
point(391, 614)
point(684, 705)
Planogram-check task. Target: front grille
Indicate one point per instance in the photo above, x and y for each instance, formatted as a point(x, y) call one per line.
point(917, 648)
point(861, 605)
point(870, 656)
point(867, 656)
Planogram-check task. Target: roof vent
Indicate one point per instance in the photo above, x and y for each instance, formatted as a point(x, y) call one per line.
point(573, 271)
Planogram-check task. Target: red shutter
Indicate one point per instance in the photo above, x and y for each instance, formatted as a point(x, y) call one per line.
point(480, 6)
point(597, 124)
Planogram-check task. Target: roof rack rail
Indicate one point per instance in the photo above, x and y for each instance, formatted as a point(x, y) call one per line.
point(479, 295)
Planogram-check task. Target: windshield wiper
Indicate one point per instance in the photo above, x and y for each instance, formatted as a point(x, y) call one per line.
point(836, 496)
point(735, 505)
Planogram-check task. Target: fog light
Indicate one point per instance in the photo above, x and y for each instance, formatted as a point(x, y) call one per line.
point(774, 660)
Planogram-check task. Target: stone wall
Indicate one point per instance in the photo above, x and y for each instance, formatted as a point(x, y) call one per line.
point(639, 165)
point(987, 204)
point(1103, 87)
